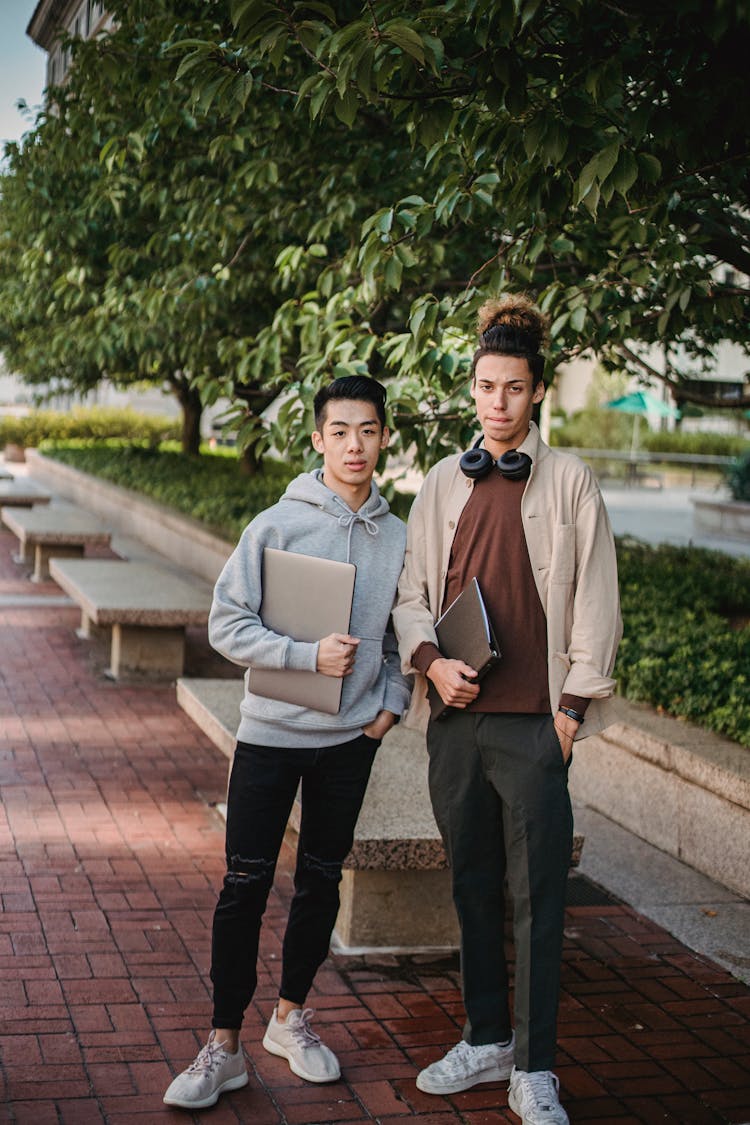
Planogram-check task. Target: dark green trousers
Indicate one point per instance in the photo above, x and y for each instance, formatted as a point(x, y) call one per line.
point(499, 789)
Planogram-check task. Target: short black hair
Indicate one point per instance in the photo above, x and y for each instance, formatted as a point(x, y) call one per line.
point(360, 388)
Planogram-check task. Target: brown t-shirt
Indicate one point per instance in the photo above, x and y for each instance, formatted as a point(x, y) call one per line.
point(490, 545)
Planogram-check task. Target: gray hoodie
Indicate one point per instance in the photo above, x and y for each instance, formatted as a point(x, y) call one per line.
point(312, 520)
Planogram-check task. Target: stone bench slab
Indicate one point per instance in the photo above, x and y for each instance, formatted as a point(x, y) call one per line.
point(114, 591)
point(396, 828)
point(22, 494)
point(53, 531)
point(147, 606)
point(396, 886)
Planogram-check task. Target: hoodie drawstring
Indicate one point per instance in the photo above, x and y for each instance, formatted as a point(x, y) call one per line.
point(348, 520)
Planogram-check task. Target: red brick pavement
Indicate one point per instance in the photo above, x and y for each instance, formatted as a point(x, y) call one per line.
point(111, 856)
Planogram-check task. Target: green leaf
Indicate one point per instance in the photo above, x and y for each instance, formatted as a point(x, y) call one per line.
point(586, 179)
point(533, 135)
point(345, 107)
point(558, 324)
point(606, 160)
point(393, 272)
point(626, 171)
point(649, 167)
point(578, 318)
point(405, 38)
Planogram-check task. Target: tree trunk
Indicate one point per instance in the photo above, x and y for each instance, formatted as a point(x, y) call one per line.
point(192, 412)
point(249, 462)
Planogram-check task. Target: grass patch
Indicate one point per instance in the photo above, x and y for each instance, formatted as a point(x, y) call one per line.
point(210, 488)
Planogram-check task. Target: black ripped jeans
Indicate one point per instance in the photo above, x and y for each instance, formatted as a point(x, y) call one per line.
point(262, 788)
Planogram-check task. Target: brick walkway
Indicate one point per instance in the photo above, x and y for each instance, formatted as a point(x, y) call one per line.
point(111, 856)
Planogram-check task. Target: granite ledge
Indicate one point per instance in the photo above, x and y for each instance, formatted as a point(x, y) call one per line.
point(696, 755)
point(414, 855)
point(396, 855)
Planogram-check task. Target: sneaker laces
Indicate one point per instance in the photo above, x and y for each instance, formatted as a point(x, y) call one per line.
point(300, 1029)
point(544, 1087)
point(209, 1057)
point(459, 1058)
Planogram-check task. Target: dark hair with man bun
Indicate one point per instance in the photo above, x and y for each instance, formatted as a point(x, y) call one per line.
point(512, 325)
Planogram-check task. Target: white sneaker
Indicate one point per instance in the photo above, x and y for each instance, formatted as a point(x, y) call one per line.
point(295, 1041)
point(214, 1072)
point(465, 1066)
point(534, 1096)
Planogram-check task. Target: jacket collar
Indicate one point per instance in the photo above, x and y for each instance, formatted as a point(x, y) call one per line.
point(533, 445)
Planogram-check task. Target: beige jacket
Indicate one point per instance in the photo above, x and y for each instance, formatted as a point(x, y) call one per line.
point(572, 555)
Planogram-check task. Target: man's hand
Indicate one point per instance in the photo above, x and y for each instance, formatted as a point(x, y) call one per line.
point(452, 678)
point(380, 725)
point(566, 731)
point(336, 654)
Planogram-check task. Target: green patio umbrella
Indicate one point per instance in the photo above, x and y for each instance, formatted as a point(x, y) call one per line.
point(639, 403)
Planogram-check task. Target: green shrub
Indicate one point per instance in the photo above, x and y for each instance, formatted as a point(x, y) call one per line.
point(738, 478)
point(595, 429)
point(87, 424)
point(686, 643)
point(611, 429)
point(210, 488)
point(716, 445)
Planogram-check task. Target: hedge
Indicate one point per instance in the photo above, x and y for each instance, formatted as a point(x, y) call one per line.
point(96, 423)
point(686, 644)
point(609, 429)
point(210, 488)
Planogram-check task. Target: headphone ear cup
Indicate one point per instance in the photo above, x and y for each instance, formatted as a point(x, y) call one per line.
point(514, 465)
point(476, 463)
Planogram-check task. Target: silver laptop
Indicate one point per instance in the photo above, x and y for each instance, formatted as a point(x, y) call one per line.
point(306, 598)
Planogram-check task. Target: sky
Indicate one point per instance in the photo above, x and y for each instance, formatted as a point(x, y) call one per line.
point(22, 68)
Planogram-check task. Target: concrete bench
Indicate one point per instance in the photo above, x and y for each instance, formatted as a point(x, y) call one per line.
point(147, 606)
point(53, 531)
point(22, 494)
point(396, 886)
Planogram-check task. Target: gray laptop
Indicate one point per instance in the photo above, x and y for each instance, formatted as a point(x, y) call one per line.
point(306, 598)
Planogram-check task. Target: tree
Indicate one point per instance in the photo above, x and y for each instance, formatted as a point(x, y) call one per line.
point(167, 243)
point(113, 218)
point(594, 153)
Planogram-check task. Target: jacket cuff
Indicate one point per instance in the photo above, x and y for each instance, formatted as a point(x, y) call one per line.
point(424, 656)
point(575, 702)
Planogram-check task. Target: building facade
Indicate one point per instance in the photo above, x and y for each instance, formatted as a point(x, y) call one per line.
point(80, 19)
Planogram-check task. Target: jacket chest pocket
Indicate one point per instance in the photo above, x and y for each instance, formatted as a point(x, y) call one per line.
point(563, 560)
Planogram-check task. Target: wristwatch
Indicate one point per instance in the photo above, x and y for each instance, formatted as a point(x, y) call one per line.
point(572, 714)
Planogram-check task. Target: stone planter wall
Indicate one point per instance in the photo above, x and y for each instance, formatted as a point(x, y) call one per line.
point(683, 789)
point(730, 518)
point(179, 538)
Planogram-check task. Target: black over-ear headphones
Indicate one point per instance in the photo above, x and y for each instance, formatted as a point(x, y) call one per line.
point(476, 463)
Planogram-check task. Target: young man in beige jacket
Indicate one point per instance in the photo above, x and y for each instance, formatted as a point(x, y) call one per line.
point(529, 523)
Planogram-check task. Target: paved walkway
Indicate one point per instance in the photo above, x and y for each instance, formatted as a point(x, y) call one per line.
point(111, 856)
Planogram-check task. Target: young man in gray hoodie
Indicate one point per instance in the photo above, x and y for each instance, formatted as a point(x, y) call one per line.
point(337, 513)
